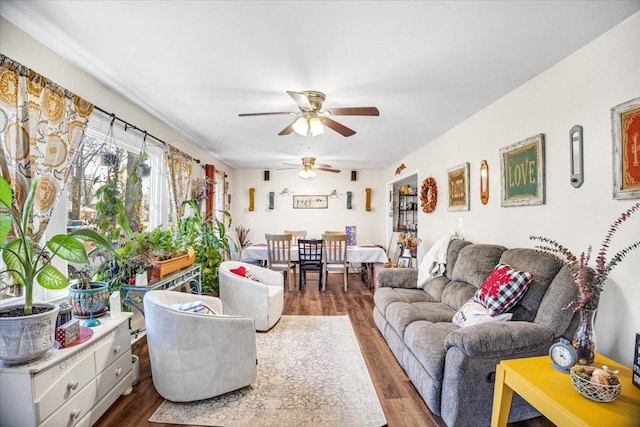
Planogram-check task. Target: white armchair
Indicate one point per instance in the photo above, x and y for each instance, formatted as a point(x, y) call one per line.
point(262, 300)
point(196, 356)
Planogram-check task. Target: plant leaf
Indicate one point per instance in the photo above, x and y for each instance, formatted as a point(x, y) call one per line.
point(92, 236)
point(51, 278)
point(11, 255)
point(5, 226)
point(5, 194)
point(68, 248)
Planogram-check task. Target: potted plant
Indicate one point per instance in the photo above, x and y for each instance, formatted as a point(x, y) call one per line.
point(207, 236)
point(27, 331)
point(89, 298)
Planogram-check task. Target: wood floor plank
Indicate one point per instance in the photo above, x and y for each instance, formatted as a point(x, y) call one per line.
point(400, 401)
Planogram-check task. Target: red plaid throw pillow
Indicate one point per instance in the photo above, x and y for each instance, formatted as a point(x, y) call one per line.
point(502, 289)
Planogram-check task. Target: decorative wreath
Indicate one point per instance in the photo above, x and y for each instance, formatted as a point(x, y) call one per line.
point(429, 195)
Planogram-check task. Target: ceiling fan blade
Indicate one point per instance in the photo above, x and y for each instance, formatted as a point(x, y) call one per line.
point(328, 169)
point(287, 130)
point(354, 111)
point(265, 114)
point(338, 127)
point(301, 99)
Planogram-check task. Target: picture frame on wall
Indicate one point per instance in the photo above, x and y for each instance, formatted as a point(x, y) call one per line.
point(311, 202)
point(458, 178)
point(522, 172)
point(625, 131)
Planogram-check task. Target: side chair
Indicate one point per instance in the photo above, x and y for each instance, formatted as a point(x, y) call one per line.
point(335, 258)
point(310, 254)
point(279, 255)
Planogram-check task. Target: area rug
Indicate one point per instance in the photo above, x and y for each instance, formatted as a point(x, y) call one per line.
point(310, 373)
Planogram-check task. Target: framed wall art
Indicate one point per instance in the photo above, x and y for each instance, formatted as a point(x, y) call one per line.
point(522, 172)
point(311, 202)
point(458, 177)
point(625, 130)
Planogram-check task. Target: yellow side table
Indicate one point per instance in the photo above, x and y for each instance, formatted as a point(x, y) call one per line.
point(551, 393)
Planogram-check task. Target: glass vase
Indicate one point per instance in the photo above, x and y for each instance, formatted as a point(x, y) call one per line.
point(584, 339)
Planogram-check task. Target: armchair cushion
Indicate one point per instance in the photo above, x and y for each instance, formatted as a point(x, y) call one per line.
point(194, 307)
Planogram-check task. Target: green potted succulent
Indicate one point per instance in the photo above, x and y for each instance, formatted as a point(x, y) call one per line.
point(27, 330)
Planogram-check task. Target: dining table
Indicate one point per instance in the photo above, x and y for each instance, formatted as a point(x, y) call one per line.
point(366, 255)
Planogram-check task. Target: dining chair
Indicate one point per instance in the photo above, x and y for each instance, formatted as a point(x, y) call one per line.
point(296, 235)
point(335, 256)
point(334, 233)
point(279, 255)
point(310, 254)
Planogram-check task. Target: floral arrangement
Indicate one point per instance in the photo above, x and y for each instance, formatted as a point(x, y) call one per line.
point(590, 281)
point(408, 240)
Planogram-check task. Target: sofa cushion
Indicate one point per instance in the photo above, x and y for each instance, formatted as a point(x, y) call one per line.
point(401, 314)
point(502, 289)
point(475, 262)
point(544, 268)
point(455, 294)
point(385, 296)
point(474, 313)
point(452, 255)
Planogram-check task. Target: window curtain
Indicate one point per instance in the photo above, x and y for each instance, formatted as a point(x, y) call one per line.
point(42, 127)
point(179, 165)
point(209, 174)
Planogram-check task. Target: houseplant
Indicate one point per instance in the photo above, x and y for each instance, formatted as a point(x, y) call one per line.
point(208, 237)
point(27, 330)
point(589, 281)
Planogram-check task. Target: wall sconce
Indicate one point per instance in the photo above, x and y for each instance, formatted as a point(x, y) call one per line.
point(349, 197)
point(271, 194)
point(252, 192)
point(367, 199)
point(577, 159)
point(484, 182)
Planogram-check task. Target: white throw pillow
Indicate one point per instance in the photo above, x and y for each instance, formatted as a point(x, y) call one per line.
point(473, 313)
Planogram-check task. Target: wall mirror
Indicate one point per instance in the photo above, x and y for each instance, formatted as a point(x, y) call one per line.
point(575, 144)
point(484, 182)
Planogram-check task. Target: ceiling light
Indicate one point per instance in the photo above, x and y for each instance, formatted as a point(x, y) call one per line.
point(315, 126)
point(307, 173)
point(301, 126)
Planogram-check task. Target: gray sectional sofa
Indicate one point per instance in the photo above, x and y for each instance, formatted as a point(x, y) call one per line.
point(453, 368)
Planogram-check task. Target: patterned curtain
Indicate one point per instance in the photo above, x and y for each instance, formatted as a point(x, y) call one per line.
point(209, 176)
point(179, 165)
point(41, 131)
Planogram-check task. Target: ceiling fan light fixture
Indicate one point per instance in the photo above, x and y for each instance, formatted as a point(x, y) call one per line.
point(315, 126)
point(307, 173)
point(301, 126)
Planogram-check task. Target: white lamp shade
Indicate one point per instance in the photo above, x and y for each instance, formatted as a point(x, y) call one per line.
point(315, 126)
point(301, 126)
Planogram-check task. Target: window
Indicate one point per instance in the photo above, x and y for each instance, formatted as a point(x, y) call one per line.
point(107, 179)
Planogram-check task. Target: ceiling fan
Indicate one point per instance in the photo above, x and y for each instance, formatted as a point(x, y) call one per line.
point(311, 119)
point(309, 167)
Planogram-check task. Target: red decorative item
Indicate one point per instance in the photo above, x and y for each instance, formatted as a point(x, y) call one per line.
point(429, 195)
point(67, 333)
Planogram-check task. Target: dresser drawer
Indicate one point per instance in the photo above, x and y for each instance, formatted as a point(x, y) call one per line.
point(111, 350)
point(114, 374)
point(58, 385)
point(75, 409)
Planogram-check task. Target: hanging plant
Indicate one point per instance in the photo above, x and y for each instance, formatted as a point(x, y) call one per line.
point(110, 156)
point(144, 169)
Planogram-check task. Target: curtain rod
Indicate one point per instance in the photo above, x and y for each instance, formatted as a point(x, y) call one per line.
point(129, 125)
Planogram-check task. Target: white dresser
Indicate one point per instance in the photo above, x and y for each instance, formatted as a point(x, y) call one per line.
point(72, 386)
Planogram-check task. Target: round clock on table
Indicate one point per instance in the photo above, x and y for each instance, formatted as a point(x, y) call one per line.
point(563, 355)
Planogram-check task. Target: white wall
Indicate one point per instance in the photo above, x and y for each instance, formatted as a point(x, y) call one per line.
point(579, 90)
point(370, 225)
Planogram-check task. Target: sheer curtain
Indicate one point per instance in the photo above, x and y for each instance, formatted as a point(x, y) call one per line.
point(41, 131)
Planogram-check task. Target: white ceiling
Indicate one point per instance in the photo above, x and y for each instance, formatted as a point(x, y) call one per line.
point(427, 66)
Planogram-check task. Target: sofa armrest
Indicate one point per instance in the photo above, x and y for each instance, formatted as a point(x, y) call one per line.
point(504, 340)
point(397, 278)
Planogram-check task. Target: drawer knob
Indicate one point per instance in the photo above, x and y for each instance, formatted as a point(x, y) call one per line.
point(116, 349)
point(72, 385)
point(118, 372)
point(75, 414)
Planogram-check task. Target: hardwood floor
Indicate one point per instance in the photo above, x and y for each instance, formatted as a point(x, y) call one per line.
point(400, 401)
